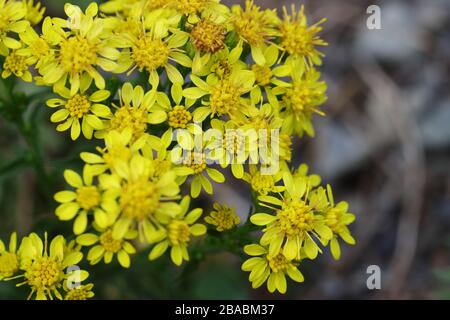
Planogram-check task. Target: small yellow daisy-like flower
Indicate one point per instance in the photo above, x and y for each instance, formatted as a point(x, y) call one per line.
point(179, 115)
point(81, 50)
point(105, 246)
point(18, 65)
point(12, 14)
point(81, 292)
point(300, 40)
point(44, 266)
point(271, 268)
point(208, 36)
point(254, 26)
point(39, 47)
point(35, 12)
point(87, 198)
point(301, 101)
point(177, 234)
point(144, 201)
point(337, 218)
point(263, 184)
point(296, 222)
point(223, 217)
point(151, 51)
point(235, 146)
point(267, 77)
point(80, 112)
point(9, 258)
point(136, 111)
point(119, 146)
point(224, 96)
point(199, 159)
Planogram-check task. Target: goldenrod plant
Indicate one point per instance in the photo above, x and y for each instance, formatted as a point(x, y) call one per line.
point(178, 97)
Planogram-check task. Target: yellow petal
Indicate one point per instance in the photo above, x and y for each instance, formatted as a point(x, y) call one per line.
point(124, 259)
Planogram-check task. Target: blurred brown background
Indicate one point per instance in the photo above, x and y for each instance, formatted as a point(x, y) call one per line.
point(384, 146)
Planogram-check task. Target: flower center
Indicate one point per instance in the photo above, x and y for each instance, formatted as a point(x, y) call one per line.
point(263, 74)
point(196, 162)
point(150, 54)
point(155, 4)
point(295, 218)
point(188, 7)
point(88, 197)
point(179, 117)
point(16, 64)
point(9, 264)
point(279, 263)
point(333, 220)
point(222, 68)
point(78, 106)
point(303, 99)
point(178, 232)
point(130, 117)
point(44, 273)
point(208, 36)
point(109, 243)
point(263, 184)
point(225, 98)
point(79, 293)
point(139, 199)
point(225, 219)
point(77, 54)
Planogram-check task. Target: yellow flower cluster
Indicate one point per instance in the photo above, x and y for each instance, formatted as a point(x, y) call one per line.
point(181, 65)
point(48, 269)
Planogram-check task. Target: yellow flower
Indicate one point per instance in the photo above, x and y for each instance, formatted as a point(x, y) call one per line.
point(106, 246)
point(136, 111)
point(300, 40)
point(80, 107)
point(81, 292)
point(193, 9)
point(218, 65)
point(12, 14)
point(337, 219)
point(255, 27)
point(198, 157)
point(271, 268)
point(80, 50)
point(224, 96)
point(17, 65)
point(178, 114)
point(144, 201)
point(223, 217)
point(44, 266)
point(35, 12)
point(39, 47)
point(119, 146)
point(235, 146)
point(9, 258)
point(267, 77)
point(208, 36)
point(296, 222)
point(301, 101)
point(151, 51)
point(86, 199)
point(177, 233)
point(263, 184)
